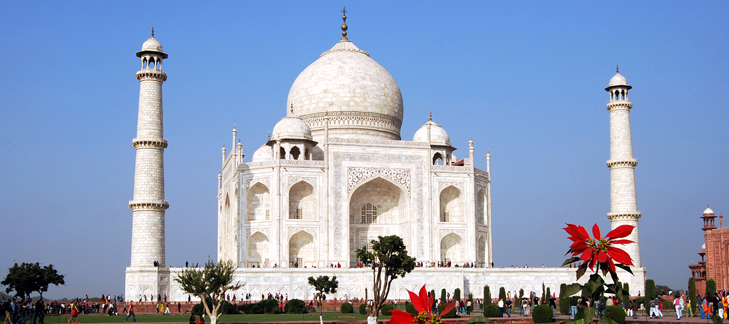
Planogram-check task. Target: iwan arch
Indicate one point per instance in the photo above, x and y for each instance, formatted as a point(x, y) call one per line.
point(335, 173)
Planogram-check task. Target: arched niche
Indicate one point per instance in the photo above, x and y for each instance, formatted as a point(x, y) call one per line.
point(481, 207)
point(376, 207)
point(302, 250)
point(259, 203)
point(481, 250)
point(451, 207)
point(451, 248)
point(302, 201)
point(258, 249)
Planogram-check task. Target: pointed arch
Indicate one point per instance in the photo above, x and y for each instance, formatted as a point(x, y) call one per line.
point(437, 159)
point(258, 203)
point(451, 206)
point(481, 207)
point(302, 201)
point(258, 249)
point(302, 250)
point(451, 248)
point(481, 250)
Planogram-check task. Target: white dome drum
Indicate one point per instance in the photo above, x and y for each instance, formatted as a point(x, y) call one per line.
point(357, 95)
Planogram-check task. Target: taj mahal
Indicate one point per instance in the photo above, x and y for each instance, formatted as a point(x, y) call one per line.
point(335, 173)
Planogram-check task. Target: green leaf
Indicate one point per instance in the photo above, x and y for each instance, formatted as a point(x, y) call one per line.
point(570, 260)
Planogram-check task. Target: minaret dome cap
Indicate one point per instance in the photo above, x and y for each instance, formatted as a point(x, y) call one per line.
point(152, 45)
point(708, 211)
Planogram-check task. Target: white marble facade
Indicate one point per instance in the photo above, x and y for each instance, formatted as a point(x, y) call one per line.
point(335, 174)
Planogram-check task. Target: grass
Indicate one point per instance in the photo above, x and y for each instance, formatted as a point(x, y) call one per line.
point(314, 317)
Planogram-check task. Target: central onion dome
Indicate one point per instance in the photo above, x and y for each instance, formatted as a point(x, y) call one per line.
point(358, 97)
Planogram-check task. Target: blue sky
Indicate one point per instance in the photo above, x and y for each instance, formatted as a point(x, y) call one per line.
point(524, 79)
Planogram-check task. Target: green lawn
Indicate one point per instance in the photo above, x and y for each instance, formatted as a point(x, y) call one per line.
point(224, 319)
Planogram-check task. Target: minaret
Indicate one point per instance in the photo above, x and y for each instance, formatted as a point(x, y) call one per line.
point(623, 202)
point(149, 204)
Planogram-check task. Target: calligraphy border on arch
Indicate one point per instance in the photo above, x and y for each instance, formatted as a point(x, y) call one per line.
point(340, 185)
point(357, 174)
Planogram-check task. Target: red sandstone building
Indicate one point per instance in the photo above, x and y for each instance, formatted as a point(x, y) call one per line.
point(714, 254)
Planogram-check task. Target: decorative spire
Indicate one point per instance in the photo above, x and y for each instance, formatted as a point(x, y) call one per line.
point(152, 32)
point(344, 24)
point(269, 136)
point(292, 107)
point(430, 117)
point(617, 68)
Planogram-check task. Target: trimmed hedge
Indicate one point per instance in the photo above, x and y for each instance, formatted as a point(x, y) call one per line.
point(267, 306)
point(491, 310)
point(410, 308)
point(615, 313)
point(346, 308)
point(295, 306)
point(386, 309)
point(451, 314)
point(542, 314)
point(457, 294)
point(227, 307)
point(363, 308)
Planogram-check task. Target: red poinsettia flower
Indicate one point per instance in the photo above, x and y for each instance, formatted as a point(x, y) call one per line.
point(599, 251)
point(423, 304)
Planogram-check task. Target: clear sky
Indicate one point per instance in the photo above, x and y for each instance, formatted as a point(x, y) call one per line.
point(524, 79)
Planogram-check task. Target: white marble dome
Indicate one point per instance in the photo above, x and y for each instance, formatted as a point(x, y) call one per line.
point(708, 211)
point(360, 98)
point(438, 135)
point(152, 45)
point(263, 153)
point(291, 128)
point(618, 80)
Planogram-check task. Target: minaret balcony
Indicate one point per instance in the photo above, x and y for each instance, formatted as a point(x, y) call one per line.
point(151, 74)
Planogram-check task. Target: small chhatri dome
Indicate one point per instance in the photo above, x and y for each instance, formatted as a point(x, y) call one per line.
point(708, 211)
point(263, 153)
point(618, 79)
point(291, 128)
point(438, 135)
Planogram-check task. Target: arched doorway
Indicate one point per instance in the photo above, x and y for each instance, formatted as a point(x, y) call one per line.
point(302, 251)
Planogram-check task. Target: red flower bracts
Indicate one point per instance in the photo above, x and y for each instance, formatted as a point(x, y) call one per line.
point(599, 250)
point(423, 304)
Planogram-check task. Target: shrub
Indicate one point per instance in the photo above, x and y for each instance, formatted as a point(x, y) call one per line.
point(298, 306)
point(443, 295)
point(386, 309)
point(491, 310)
point(451, 314)
point(486, 295)
point(363, 308)
point(227, 307)
point(269, 306)
point(410, 308)
point(615, 313)
point(692, 294)
point(716, 319)
point(564, 300)
point(502, 294)
point(542, 314)
point(345, 308)
point(457, 294)
point(198, 310)
point(710, 287)
point(650, 288)
point(479, 320)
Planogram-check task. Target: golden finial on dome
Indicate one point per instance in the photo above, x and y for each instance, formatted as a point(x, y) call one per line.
point(344, 24)
point(152, 32)
point(430, 117)
point(292, 107)
point(617, 68)
point(269, 136)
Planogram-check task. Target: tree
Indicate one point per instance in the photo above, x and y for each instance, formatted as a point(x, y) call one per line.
point(486, 295)
point(710, 287)
point(544, 294)
point(692, 294)
point(443, 296)
point(212, 280)
point(389, 258)
point(502, 294)
point(29, 277)
point(650, 288)
point(457, 294)
point(323, 285)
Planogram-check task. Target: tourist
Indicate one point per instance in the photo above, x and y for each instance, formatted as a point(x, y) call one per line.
point(131, 313)
point(74, 312)
point(192, 318)
point(678, 305)
point(501, 307)
point(634, 309)
point(508, 307)
point(688, 306)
